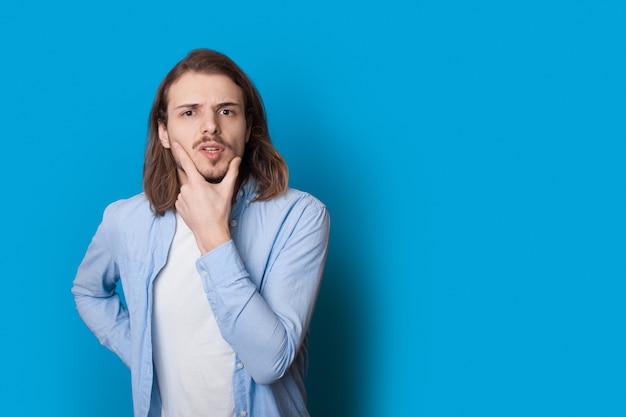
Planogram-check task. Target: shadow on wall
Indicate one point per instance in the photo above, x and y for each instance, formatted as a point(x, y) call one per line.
point(317, 144)
point(336, 376)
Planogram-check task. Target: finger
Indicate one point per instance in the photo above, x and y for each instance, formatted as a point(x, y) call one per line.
point(185, 162)
point(233, 171)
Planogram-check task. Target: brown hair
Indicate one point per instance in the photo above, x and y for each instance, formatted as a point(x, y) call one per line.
point(260, 160)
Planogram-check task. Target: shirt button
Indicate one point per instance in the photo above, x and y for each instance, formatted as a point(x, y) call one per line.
point(243, 413)
point(239, 365)
point(247, 201)
point(240, 193)
point(203, 273)
point(233, 223)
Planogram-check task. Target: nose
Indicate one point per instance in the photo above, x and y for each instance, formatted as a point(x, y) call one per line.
point(210, 125)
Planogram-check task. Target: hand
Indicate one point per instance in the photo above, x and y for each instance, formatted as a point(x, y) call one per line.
point(205, 207)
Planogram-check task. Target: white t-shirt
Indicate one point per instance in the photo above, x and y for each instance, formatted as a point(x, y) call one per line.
point(193, 363)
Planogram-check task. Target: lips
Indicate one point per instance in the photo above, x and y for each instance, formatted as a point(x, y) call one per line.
point(211, 150)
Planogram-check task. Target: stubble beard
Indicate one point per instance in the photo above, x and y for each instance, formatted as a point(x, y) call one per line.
point(213, 179)
point(213, 174)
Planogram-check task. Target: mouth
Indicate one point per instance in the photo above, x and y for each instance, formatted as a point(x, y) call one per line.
point(211, 150)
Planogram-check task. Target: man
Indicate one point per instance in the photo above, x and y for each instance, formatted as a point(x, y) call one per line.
point(220, 261)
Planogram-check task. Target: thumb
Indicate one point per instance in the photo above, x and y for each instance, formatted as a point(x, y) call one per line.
point(188, 170)
point(233, 171)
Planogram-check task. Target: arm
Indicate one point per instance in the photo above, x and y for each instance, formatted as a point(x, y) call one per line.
point(266, 328)
point(97, 301)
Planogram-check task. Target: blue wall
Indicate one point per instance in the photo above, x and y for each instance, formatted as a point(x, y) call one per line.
point(471, 154)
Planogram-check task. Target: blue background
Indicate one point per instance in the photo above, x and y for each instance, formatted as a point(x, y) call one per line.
point(471, 155)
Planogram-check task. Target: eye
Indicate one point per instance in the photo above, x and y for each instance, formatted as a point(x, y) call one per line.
point(227, 112)
point(188, 113)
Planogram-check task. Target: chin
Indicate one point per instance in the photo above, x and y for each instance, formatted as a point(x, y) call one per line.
point(214, 180)
point(214, 177)
point(215, 171)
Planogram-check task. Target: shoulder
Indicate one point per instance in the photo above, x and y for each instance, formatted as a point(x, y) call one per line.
point(132, 215)
point(137, 206)
point(294, 199)
point(302, 198)
point(287, 200)
point(292, 207)
point(131, 225)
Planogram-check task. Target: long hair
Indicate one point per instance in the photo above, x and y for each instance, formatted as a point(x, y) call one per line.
point(260, 160)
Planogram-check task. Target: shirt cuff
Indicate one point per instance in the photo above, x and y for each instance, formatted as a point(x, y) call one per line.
point(222, 264)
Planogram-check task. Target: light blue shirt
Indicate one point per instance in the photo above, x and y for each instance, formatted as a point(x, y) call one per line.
point(262, 287)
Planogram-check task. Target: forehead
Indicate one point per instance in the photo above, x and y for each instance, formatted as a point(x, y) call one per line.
point(199, 88)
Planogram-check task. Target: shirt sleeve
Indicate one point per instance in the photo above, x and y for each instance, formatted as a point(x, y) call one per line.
point(97, 301)
point(266, 328)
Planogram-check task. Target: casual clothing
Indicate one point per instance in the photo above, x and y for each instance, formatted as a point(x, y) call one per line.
point(193, 364)
point(261, 285)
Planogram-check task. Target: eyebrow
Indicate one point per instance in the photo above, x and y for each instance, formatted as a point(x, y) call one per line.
point(196, 105)
point(188, 106)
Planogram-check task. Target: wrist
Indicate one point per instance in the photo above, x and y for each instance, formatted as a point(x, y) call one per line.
point(207, 244)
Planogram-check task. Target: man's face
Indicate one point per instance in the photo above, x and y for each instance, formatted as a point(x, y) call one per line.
point(206, 116)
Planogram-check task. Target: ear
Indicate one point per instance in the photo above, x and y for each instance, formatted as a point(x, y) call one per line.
point(163, 136)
